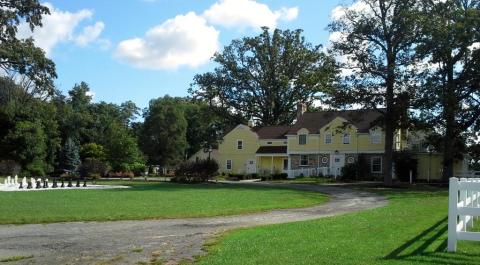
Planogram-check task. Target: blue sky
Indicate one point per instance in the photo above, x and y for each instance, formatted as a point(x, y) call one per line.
point(104, 42)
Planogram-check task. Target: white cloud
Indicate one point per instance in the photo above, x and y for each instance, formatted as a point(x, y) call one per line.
point(185, 40)
point(89, 34)
point(247, 13)
point(59, 27)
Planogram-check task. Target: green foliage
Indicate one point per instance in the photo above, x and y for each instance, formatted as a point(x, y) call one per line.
point(93, 168)
point(404, 163)
point(27, 145)
point(138, 168)
point(163, 135)
point(19, 55)
point(121, 147)
point(70, 157)
point(349, 171)
point(449, 92)
point(92, 151)
point(197, 171)
point(267, 75)
point(378, 42)
point(9, 168)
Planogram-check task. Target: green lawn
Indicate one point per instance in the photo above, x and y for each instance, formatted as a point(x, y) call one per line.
point(147, 201)
point(412, 229)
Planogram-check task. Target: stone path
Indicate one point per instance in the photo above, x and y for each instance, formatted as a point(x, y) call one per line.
point(171, 241)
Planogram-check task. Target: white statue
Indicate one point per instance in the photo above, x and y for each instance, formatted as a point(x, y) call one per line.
point(16, 180)
point(24, 182)
point(9, 181)
point(33, 182)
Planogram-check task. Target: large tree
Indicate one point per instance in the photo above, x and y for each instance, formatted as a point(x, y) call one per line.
point(264, 77)
point(163, 135)
point(376, 41)
point(450, 87)
point(20, 56)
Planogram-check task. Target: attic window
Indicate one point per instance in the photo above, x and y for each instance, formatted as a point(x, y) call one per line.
point(375, 137)
point(239, 144)
point(346, 138)
point(328, 138)
point(302, 139)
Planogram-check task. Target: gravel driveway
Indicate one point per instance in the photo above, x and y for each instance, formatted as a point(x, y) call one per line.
point(173, 240)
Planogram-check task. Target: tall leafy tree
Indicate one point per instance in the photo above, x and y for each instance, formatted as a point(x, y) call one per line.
point(450, 87)
point(266, 76)
point(376, 41)
point(20, 56)
point(163, 136)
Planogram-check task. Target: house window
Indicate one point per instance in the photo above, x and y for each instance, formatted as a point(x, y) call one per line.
point(239, 144)
point(269, 142)
point(229, 164)
point(375, 138)
point(328, 138)
point(304, 160)
point(302, 139)
point(376, 164)
point(285, 164)
point(346, 138)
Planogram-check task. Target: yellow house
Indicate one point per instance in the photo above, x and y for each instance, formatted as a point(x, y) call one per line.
point(319, 143)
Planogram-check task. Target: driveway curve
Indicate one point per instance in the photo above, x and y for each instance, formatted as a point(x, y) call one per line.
point(170, 240)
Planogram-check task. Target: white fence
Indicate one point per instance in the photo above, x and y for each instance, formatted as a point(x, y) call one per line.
point(463, 209)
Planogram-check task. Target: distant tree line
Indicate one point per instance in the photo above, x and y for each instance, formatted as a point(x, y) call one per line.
point(416, 62)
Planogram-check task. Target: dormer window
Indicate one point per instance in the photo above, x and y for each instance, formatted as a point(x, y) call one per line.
point(346, 138)
point(239, 144)
point(302, 139)
point(328, 138)
point(375, 137)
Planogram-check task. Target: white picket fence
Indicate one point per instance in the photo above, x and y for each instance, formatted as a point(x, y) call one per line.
point(463, 209)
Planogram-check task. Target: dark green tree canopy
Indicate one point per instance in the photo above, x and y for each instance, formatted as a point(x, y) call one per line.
point(20, 56)
point(266, 76)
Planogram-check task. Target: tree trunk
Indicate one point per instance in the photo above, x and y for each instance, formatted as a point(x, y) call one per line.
point(389, 121)
point(450, 105)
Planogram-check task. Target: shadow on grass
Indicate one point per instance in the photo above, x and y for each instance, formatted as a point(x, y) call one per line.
point(429, 247)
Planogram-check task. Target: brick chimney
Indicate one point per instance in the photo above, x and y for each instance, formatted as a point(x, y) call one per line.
point(301, 108)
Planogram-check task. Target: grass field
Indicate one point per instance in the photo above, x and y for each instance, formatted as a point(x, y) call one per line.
point(412, 229)
point(147, 201)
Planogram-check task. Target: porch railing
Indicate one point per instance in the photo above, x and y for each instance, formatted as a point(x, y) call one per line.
point(310, 172)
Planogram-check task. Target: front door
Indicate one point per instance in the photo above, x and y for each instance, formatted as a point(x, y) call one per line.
point(251, 167)
point(338, 162)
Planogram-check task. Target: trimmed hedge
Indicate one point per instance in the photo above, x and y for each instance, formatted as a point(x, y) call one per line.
point(197, 171)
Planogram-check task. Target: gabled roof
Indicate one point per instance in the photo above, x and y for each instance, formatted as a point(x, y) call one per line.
point(314, 121)
point(272, 150)
point(272, 132)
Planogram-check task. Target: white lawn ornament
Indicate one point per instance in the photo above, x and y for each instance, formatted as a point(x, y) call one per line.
point(24, 182)
point(16, 180)
point(9, 181)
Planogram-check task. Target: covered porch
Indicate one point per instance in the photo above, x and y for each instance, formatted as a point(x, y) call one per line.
point(272, 160)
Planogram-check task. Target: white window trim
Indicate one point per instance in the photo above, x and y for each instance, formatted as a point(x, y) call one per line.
point(226, 164)
point(381, 164)
point(301, 160)
point(349, 138)
point(240, 141)
point(331, 138)
point(306, 137)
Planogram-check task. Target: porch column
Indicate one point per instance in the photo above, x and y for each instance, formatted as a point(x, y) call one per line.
point(271, 167)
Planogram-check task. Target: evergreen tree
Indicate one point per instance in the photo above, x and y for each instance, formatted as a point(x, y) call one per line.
point(70, 157)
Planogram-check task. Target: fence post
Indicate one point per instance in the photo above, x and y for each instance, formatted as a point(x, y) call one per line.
point(452, 214)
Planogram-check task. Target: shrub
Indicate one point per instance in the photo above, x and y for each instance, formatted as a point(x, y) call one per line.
point(279, 176)
point(349, 171)
point(404, 163)
point(9, 168)
point(232, 176)
point(93, 168)
point(197, 171)
point(120, 174)
point(138, 169)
